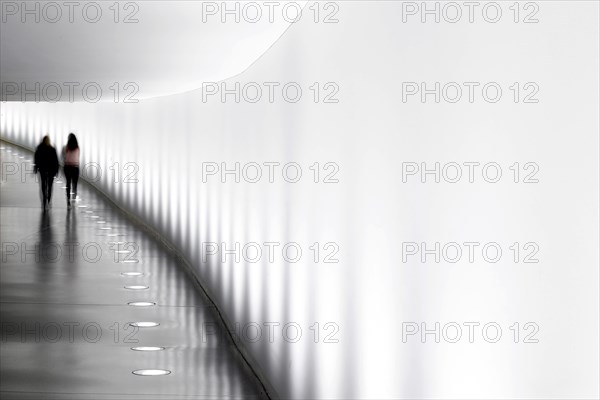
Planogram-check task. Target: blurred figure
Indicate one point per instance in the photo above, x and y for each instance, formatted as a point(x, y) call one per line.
point(46, 163)
point(71, 161)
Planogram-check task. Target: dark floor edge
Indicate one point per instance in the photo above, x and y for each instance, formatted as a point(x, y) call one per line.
point(269, 391)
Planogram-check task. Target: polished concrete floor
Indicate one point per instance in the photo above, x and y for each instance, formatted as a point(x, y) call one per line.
point(66, 280)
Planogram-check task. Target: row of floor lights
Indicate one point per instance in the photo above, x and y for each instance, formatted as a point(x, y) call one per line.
point(145, 324)
point(142, 324)
point(140, 372)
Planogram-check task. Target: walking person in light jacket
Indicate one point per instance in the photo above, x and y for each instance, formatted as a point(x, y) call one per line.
point(71, 166)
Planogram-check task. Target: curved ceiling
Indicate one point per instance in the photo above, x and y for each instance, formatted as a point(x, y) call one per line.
point(173, 47)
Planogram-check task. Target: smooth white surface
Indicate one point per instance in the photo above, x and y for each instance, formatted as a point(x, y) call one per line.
point(166, 47)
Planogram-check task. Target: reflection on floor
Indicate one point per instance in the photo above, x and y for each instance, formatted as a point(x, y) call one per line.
point(74, 283)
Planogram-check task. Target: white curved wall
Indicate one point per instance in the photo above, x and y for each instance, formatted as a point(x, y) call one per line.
point(130, 49)
point(369, 133)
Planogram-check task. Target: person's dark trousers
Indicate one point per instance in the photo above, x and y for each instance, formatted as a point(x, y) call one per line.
point(47, 180)
point(72, 175)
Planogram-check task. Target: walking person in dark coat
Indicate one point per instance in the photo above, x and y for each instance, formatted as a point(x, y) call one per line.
point(46, 163)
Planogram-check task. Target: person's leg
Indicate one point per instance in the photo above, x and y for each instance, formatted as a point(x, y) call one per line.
point(44, 184)
point(49, 184)
point(68, 178)
point(75, 180)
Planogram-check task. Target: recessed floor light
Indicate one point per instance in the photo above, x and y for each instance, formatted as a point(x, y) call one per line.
point(151, 372)
point(105, 228)
point(141, 303)
point(131, 261)
point(147, 348)
point(113, 234)
point(144, 324)
point(132, 273)
point(137, 287)
point(95, 216)
point(82, 207)
point(100, 222)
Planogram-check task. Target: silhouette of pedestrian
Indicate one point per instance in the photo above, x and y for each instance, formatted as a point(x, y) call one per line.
point(71, 160)
point(46, 163)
